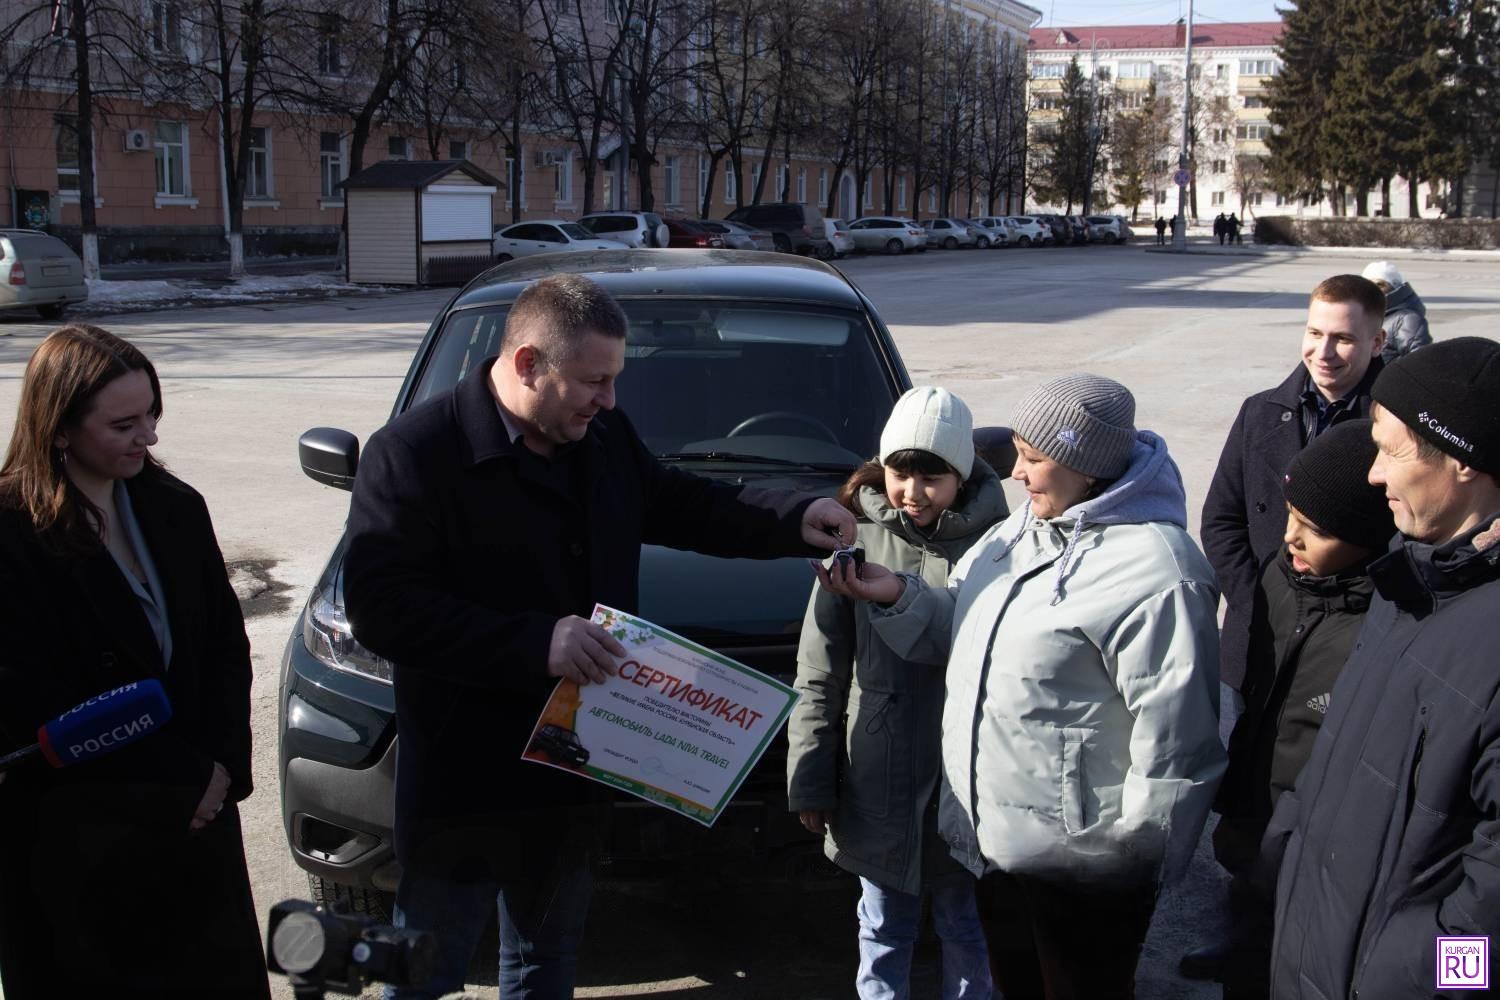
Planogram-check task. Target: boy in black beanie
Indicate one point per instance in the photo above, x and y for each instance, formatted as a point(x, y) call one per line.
point(1309, 606)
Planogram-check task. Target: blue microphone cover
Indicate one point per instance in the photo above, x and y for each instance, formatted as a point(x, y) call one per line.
point(105, 723)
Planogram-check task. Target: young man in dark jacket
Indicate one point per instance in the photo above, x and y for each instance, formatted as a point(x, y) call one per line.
point(1309, 607)
point(1391, 839)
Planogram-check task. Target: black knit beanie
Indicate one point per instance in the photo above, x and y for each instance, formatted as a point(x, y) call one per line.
point(1449, 393)
point(1327, 483)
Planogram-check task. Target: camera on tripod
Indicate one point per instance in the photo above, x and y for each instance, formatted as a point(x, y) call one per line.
point(321, 951)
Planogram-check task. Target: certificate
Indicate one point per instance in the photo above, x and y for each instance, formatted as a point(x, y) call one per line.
point(679, 725)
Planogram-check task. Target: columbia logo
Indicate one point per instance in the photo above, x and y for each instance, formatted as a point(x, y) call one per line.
point(1319, 704)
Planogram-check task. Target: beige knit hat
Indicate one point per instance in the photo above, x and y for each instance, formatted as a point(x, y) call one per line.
point(1084, 422)
point(933, 420)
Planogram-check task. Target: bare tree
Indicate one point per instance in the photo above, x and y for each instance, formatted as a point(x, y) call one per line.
point(586, 57)
point(727, 84)
point(655, 66)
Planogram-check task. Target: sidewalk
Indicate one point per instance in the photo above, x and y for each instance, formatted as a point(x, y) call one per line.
point(1209, 246)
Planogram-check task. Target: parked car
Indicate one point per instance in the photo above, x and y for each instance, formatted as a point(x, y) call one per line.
point(796, 228)
point(1080, 228)
point(925, 236)
point(685, 234)
point(523, 239)
point(837, 231)
point(950, 234)
point(887, 234)
point(1029, 231)
point(738, 236)
point(1108, 228)
point(750, 368)
point(634, 229)
point(996, 233)
point(39, 271)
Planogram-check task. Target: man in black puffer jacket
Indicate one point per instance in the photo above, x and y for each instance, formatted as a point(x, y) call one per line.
point(1392, 835)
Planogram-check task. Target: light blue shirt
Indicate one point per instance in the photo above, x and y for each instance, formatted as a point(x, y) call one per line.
point(152, 598)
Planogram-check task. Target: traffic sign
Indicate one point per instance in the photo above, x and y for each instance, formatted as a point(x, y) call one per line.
point(1181, 178)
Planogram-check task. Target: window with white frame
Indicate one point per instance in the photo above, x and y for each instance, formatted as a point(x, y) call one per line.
point(1047, 102)
point(258, 172)
point(672, 179)
point(562, 180)
point(1217, 198)
point(754, 179)
point(784, 183)
point(731, 184)
point(1103, 73)
point(802, 185)
point(1221, 71)
point(822, 185)
point(1253, 132)
point(1219, 166)
point(458, 149)
point(67, 155)
point(331, 165)
point(1135, 71)
point(1220, 135)
point(1255, 101)
point(1049, 71)
point(171, 160)
point(901, 193)
point(330, 59)
point(515, 178)
point(702, 177)
point(932, 200)
point(869, 198)
point(1253, 198)
point(166, 26)
point(1257, 67)
point(398, 147)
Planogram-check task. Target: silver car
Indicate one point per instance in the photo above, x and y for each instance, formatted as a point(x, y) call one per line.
point(1029, 232)
point(996, 232)
point(40, 272)
point(887, 234)
point(738, 236)
point(524, 239)
point(950, 234)
point(838, 236)
point(634, 229)
point(1109, 228)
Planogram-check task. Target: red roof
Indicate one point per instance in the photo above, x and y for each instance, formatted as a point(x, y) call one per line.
point(1155, 36)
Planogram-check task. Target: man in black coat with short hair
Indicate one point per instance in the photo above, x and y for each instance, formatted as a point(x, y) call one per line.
point(485, 525)
point(1243, 514)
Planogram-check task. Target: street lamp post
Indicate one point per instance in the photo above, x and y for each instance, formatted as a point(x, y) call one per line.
point(1179, 232)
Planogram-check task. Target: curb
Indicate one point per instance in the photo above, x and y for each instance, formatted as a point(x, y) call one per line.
point(1373, 253)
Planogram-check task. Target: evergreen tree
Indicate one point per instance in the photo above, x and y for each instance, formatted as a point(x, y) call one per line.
point(1297, 99)
point(1068, 155)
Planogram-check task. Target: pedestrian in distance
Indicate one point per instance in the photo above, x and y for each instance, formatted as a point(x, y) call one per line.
point(1309, 605)
point(922, 504)
point(485, 525)
point(1161, 231)
point(1220, 228)
point(1243, 515)
point(1390, 840)
point(1232, 226)
point(1405, 312)
point(1080, 726)
point(123, 875)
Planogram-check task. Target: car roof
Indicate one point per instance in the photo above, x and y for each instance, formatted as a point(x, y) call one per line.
point(742, 275)
point(542, 222)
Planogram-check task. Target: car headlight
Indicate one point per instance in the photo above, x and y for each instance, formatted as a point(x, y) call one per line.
point(327, 636)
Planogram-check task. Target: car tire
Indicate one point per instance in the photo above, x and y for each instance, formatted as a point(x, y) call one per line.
point(1024, 241)
point(783, 244)
point(52, 310)
point(352, 898)
point(827, 253)
point(1111, 239)
point(983, 243)
point(893, 247)
point(951, 243)
point(503, 258)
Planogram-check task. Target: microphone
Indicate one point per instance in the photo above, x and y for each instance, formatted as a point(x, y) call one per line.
point(100, 725)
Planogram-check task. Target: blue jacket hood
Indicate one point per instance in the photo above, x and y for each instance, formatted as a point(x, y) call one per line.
point(1150, 490)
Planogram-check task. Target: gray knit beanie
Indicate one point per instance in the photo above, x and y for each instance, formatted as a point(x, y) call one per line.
point(1084, 422)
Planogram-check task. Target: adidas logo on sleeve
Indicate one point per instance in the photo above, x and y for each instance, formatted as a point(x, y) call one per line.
point(1319, 704)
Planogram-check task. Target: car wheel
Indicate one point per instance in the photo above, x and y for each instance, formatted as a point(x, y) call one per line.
point(53, 310)
point(783, 245)
point(892, 246)
point(352, 898)
point(982, 243)
point(826, 252)
point(1111, 238)
point(503, 258)
point(1024, 241)
point(950, 243)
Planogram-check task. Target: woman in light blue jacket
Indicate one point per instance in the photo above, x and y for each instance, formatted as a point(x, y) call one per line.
point(1080, 727)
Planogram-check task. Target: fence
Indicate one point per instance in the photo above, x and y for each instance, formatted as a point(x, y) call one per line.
point(455, 270)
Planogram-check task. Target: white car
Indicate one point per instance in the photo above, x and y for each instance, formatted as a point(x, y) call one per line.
point(39, 271)
point(887, 234)
point(994, 229)
point(950, 234)
point(523, 239)
point(1028, 232)
point(838, 236)
point(634, 229)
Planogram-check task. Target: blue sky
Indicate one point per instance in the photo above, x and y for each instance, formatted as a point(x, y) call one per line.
point(1066, 12)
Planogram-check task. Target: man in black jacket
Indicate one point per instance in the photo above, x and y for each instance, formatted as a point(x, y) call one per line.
point(485, 525)
point(1391, 838)
point(1243, 515)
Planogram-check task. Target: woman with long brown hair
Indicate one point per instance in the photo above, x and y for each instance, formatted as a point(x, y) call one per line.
point(125, 873)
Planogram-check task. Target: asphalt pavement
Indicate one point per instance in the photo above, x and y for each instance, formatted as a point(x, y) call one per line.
point(1191, 334)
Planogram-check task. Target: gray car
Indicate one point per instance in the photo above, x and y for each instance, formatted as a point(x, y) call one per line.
point(950, 234)
point(738, 236)
point(995, 231)
point(634, 229)
point(887, 234)
point(547, 236)
point(40, 272)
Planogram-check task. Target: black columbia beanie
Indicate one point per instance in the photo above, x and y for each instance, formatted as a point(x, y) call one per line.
point(1449, 393)
point(1327, 483)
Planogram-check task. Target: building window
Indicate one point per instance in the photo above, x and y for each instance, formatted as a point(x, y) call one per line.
point(258, 174)
point(1218, 166)
point(515, 178)
point(1221, 102)
point(1049, 71)
point(822, 186)
point(331, 164)
point(1161, 197)
point(1130, 100)
point(171, 159)
point(1257, 67)
point(1254, 132)
point(458, 149)
point(1253, 198)
point(754, 179)
point(901, 193)
point(702, 177)
point(802, 185)
point(1220, 135)
point(397, 148)
point(1162, 166)
point(784, 185)
point(1047, 102)
point(1102, 74)
point(1135, 71)
point(1255, 101)
point(869, 199)
point(672, 179)
point(932, 199)
point(166, 27)
point(731, 184)
point(329, 59)
point(1221, 71)
point(67, 154)
point(562, 181)
point(1217, 198)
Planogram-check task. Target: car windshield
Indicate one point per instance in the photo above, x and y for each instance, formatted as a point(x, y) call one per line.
point(709, 381)
point(609, 223)
point(576, 231)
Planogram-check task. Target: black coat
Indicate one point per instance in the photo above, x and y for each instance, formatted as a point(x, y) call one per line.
point(1392, 835)
point(100, 879)
point(461, 560)
point(1301, 633)
point(1244, 514)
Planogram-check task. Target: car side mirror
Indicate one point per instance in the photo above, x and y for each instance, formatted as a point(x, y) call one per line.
point(329, 456)
point(997, 446)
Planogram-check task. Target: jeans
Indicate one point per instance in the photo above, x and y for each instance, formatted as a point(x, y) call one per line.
point(888, 921)
point(541, 912)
